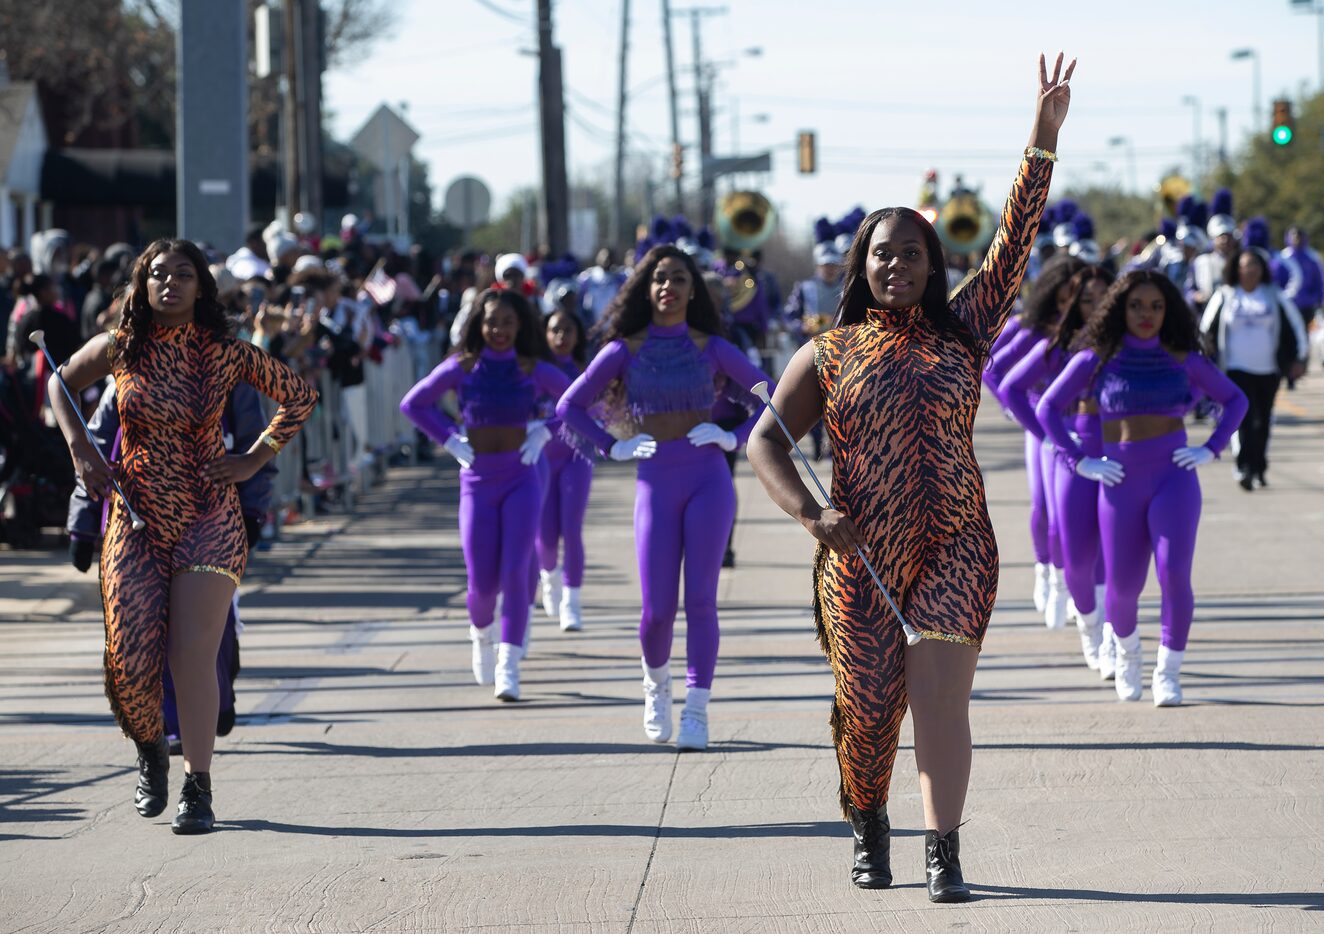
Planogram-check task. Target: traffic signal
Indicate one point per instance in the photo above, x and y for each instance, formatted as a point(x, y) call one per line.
point(806, 153)
point(1283, 126)
point(677, 161)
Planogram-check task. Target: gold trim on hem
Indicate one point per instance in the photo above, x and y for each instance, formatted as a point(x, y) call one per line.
point(949, 637)
point(208, 569)
point(270, 442)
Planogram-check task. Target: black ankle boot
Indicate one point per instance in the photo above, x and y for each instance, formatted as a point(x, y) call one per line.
point(942, 860)
point(195, 813)
point(153, 771)
point(873, 849)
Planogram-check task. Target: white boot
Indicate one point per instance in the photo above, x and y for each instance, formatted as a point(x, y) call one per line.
point(694, 720)
point(1091, 635)
point(657, 703)
point(1055, 614)
point(1042, 572)
point(507, 671)
point(1129, 662)
point(484, 653)
point(1107, 652)
point(549, 587)
point(572, 619)
point(1167, 673)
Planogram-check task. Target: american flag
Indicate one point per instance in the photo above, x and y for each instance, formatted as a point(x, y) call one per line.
point(380, 286)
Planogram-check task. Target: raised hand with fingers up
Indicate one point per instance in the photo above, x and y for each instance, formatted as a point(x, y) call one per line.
point(1053, 101)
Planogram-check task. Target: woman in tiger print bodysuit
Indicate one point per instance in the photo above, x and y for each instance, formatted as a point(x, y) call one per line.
point(166, 590)
point(897, 383)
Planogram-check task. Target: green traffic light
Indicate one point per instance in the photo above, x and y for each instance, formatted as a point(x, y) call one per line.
point(1282, 135)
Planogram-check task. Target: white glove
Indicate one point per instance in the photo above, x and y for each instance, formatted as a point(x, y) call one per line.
point(1109, 473)
point(1048, 444)
point(1190, 458)
point(641, 447)
point(536, 438)
point(460, 449)
point(708, 433)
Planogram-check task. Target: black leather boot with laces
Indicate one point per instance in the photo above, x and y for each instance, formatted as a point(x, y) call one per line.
point(153, 771)
point(873, 849)
point(195, 813)
point(942, 863)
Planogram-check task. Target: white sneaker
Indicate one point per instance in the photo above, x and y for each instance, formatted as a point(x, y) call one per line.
point(657, 704)
point(549, 586)
point(507, 671)
point(484, 654)
point(693, 734)
point(1166, 684)
point(1042, 572)
point(1055, 613)
point(572, 619)
point(1107, 652)
point(1129, 664)
point(1091, 635)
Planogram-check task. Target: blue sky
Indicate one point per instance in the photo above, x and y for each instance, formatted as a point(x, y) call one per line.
point(891, 88)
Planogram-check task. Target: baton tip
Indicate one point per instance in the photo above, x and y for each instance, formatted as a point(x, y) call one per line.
point(38, 338)
point(760, 389)
point(138, 525)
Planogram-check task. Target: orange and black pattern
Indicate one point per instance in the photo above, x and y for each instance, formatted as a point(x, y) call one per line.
point(170, 403)
point(899, 402)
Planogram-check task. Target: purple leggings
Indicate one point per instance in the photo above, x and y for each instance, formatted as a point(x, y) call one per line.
point(500, 499)
point(1077, 514)
point(1155, 510)
point(1043, 529)
point(684, 506)
point(563, 508)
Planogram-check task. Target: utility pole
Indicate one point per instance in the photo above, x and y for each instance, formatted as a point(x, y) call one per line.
point(310, 65)
point(675, 119)
point(615, 234)
point(704, 99)
point(551, 110)
point(1221, 113)
point(289, 101)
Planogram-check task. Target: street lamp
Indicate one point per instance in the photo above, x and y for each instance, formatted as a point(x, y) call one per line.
point(1316, 7)
point(1190, 100)
point(1131, 159)
point(1254, 56)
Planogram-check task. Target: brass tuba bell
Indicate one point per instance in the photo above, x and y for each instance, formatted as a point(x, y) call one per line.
point(965, 224)
point(745, 220)
point(1171, 189)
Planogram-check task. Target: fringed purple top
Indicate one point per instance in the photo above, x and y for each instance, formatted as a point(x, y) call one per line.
point(668, 372)
point(495, 391)
point(1141, 379)
point(1023, 386)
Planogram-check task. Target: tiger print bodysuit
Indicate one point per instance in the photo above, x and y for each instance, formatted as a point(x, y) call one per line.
point(899, 401)
point(170, 403)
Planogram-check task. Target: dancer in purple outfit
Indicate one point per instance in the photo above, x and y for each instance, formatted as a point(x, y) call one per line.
point(1075, 498)
point(1143, 364)
point(570, 475)
point(659, 374)
point(1049, 297)
point(498, 376)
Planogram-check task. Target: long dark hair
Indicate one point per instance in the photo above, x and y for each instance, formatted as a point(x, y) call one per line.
point(632, 309)
point(1232, 268)
point(1104, 334)
point(580, 353)
point(1074, 319)
point(1041, 304)
point(857, 298)
point(528, 339)
point(136, 320)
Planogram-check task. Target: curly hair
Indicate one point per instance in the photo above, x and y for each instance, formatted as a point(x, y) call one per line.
point(632, 308)
point(1074, 320)
point(1040, 312)
point(1179, 332)
point(209, 313)
point(857, 298)
point(529, 340)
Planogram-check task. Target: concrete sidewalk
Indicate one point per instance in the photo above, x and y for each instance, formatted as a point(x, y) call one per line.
point(370, 786)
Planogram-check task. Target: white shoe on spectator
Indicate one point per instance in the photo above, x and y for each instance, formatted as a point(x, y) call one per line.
point(693, 734)
point(1130, 677)
point(484, 654)
point(507, 671)
point(657, 703)
point(1042, 572)
point(549, 587)
point(572, 619)
point(1166, 684)
point(1107, 653)
point(1091, 635)
point(1055, 614)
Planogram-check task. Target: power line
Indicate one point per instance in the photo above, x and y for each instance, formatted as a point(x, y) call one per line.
point(499, 11)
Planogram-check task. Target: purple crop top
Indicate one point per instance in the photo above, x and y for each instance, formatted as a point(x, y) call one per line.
point(495, 391)
point(1141, 379)
point(668, 372)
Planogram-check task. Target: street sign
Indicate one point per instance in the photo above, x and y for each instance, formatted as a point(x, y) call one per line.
point(468, 203)
point(718, 166)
